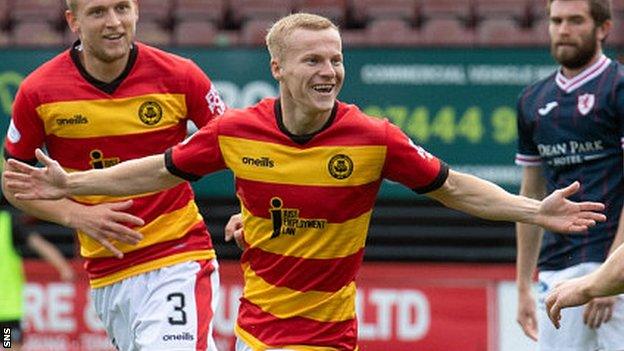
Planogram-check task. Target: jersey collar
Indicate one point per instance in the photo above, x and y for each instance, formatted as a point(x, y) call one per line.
point(570, 84)
point(301, 139)
point(108, 88)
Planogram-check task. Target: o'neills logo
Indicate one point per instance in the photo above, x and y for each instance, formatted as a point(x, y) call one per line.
point(259, 162)
point(186, 336)
point(76, 119)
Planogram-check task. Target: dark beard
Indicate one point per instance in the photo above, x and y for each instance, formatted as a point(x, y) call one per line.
point(585, 53)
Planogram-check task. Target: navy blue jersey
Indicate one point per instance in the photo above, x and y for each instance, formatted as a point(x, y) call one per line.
point(574, 128)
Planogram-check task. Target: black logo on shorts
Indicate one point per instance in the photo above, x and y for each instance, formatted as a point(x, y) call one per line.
point(150, 113)
point(340, 166)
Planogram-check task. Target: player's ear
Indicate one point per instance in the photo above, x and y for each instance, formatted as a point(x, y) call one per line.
point(70, 17)
point(276, 70)
point(602, 31)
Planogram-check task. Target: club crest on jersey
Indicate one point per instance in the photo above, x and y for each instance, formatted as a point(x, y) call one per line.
point(150, 113)
point(585, 103)
point(340, 166)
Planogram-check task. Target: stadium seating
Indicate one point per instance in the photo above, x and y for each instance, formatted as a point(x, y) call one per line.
point(392, 32)
point(447, 32)
point(513, 9)
point(336, 10)
point(245, 10)
point(4, 38)
point(369, 10)
point(616, 36)
point(194, 33)
point(363, 22)
point(354, 37)
point(202, 10)
point(153, 33)
point(540, 34)
point(37, 10)
point(503, 32)
point(462, 9)
point(46, 35)
point(156, 10)
point(4, 13)
point(254, 31)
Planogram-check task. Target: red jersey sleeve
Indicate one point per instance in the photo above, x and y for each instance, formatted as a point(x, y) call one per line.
point(202, 98)
point(26, 130)
point(411, 165)
point(198, 155)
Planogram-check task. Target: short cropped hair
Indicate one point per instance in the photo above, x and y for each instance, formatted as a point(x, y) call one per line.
point(600, 10)
point(276, 37)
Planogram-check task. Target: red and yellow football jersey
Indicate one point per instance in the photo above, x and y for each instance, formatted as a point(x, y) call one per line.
point(86, 124)
point(306, 203)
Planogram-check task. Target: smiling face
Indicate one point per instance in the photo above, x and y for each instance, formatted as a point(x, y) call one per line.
point(310, 70)
point(575, 37)
point(106, 28)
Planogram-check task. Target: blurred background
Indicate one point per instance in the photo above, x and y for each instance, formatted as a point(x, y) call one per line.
point(447, 72)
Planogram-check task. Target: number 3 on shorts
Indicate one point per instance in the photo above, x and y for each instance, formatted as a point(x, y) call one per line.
point(179, 317)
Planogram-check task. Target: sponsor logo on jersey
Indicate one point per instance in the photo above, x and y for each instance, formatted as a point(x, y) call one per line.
point(340, 166)
point(186, 336)
point(215, 104)
point(13, 134)
point(150, 113)
point(259, 162)
point(76, 119)
point(585, 103)
point(98, 161)
point(571, 152)
point(286, 221)
point(549, 107)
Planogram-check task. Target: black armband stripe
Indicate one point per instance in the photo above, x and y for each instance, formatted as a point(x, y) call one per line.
point(176, 171)
point(437, 182)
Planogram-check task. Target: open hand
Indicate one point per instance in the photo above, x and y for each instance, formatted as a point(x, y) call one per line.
point(34, 183)
point(561, 215)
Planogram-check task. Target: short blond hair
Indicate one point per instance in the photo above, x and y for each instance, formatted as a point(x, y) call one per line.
point(276, 37)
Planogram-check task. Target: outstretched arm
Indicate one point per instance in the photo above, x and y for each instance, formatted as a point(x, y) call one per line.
point(487, 200)
point(103, 223)
point(132, 177)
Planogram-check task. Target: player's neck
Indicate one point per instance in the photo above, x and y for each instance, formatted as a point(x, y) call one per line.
point(300, 122)
point(103, 71)
point(573, 72)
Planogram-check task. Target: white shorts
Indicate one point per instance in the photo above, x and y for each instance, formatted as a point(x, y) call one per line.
point(170, 308)
point(574, 334)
